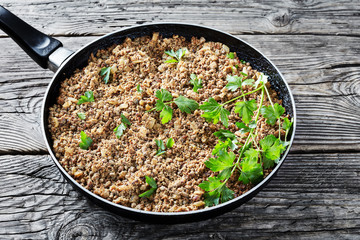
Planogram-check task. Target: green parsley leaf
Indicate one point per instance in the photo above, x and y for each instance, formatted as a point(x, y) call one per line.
point(166, 114)
point(223, 134)
point(225, 174)
point(251, 170)
point(125, 120)
point(169, 143)
point(228, 143)
point(163, 95)
point(211, 184)
point(153, 185)
point(105, 71)
point(272, 113)
point(81, 115)
point(224, 160)
point(242, 61)
point(230, 55)
point(161, 147)
point(286, 124)
point(177, 56)
point(221, 192)
point(271, 150)
point(246, 110)
point(242, 127)
point(87, 97)
point(234, 82)
point(215, 112)
point(85, 141)
point(185, 104)
point(196, 82)
point(139, 89)
point(119, 130)
point(248, 82)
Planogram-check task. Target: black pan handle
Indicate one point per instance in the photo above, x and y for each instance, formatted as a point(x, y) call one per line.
point(36, 44)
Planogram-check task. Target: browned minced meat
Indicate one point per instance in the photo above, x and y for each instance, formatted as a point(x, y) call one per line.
point(115, 169)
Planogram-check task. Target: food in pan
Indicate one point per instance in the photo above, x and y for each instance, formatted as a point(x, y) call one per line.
point(168, 125)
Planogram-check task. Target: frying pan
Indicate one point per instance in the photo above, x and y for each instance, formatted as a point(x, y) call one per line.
point(49, 53)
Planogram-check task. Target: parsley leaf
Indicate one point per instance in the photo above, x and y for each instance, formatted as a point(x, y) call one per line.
point(251, 170)
point(224, 160)
point(163, 95)
point(119, 130)
point(161, 147)
point(230, 55)
point(85, 141)
point(271, 150)
point(215, 112)
point(196, 82)
point(242, 61)
point(87, 97)
point(246, 110)
point(234, 82)
point(169, 143)
point(223, 134)
point(81, 115)
point(176, 55)
point(248, 82)
point(286, 124)
point(185, 104)
point(153, 185)
point(272, 113)
point(228, 143)
point(105, 71)
point(242, 127)
point(139, 89)
point(216, 191)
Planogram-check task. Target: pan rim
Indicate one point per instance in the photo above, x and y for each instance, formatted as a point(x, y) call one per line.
point(253, 190)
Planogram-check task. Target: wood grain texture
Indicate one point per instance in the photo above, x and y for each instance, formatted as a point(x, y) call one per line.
point(314, 196)
point(324, 77)
point(96, 17)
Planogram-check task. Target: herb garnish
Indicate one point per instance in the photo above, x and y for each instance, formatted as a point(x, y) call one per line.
point(196, 82)
point(105, 71)
point(81, 115)
point(230, 55)
point(153, 185)
point(119, 130)
point(87, 97)
point(164, 100)
point(139, 89)
point(250, 158)
point(161, 147)
point(85, 141)
point(176, 56)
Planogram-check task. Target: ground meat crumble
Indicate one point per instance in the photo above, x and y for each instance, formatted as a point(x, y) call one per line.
point(115, 169)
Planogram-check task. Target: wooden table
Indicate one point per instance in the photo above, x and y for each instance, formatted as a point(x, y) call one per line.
point(316, 194)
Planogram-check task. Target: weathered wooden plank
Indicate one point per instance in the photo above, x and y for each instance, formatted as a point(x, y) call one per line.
point(250, 17)
point(327, 96)
point(314, 196)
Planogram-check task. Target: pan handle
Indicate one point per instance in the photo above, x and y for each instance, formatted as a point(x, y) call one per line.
point(35, 43)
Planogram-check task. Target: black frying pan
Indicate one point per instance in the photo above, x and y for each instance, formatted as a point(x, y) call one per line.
point(49, 53)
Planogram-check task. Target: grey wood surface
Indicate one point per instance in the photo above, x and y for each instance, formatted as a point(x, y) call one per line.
point(316, 194)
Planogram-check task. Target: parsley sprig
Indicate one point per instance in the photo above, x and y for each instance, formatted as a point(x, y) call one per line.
point(251, 158)
point(85, 141)
point(161, 147)
point(196, 82)
point(153, 185)
point(105, 72)
point(165, 100)
point(119, 130)
point(87, 97)
point(176, 56)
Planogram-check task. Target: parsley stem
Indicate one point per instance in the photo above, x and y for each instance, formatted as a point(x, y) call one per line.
point(272, 104)
point(242, 95)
